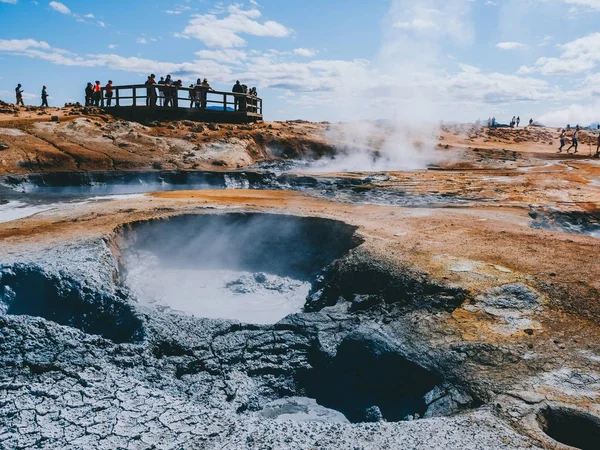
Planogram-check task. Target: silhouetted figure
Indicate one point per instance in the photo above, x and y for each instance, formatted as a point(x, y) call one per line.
point(513, 121)
point(494, 122)
point(575, 140)
point(563, 135)
point(518, 121)
point(89, 94)
point(204, 93)
point(253, 102)
point(197, 94)
point(237, 89)
point(530, 122)
point(44, 98)
point(150, 91)
point(109, 90)
point(97, 93)
point(161, 91)
point(192, 95)
point(175, 92)
point(598, 146)
point(19, 95)
point(168, 91)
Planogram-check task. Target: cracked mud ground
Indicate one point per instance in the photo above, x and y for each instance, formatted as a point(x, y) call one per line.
point(470, 325)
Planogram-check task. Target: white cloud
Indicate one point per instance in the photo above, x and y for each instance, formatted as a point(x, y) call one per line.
point(594, 4)
point(577, 56)
point(61, 8)
point(112, 46)
point(417, 24)
point(510, 45)
point(89, 16)
point(20, 45)
point(225, 32)
point(141, 40)
point(12, 2)
point(226, 55)
point(306, 52)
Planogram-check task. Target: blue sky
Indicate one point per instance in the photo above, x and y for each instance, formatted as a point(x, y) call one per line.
point(453, 60)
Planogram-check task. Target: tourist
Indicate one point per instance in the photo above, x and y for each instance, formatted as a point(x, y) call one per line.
point(161, 91)
point(597, 147)
point(97, 93)
point(513, 121)
point(530, 122)
point(563, 135)
point(518, 121)
point(204, 93)
point(175, 92)
point(237, 89)
point(19, 95)
point(253, 102)
point(192, 95)
point(109, 92)
point(89, 94)
point(197, 93)
point(575, 140)
point(494, 122)
point(44, 98)
point(168, 92)
point(150, 91)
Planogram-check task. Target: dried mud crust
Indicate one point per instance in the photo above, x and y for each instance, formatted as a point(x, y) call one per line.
point(202, 383)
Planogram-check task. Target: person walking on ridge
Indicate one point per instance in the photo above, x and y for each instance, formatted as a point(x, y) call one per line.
point(563, 135)
point(19, 95)
point(44, 98)
point(575, 140)
point(518, 121)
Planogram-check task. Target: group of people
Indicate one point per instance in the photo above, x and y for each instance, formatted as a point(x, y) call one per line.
point(93, 94)
point(19, 96)
point(164, 93)
point(514, 122)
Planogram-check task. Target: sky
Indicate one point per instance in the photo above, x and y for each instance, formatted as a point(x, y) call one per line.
point(322, 60)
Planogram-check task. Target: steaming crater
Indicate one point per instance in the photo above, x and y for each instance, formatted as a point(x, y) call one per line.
point(253, 268)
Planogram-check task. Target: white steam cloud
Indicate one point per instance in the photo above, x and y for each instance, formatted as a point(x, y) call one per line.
point(407, 66)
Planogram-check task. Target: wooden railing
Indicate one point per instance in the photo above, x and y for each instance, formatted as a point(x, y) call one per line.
point(140, 95)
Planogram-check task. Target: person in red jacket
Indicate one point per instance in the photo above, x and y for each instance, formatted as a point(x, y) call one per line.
point(97, 93)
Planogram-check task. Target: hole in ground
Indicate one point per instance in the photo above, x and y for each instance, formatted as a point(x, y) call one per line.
point(368, 381)
point(573, 428)
point(255, 268)
point(28, 291)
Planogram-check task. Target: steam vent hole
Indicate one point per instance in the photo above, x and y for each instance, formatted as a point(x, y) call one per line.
point(30, 292)
point(368, 381)
point(254, 268)
point(573, 428)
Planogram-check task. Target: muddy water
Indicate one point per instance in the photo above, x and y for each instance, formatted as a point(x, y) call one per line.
point(27, 195)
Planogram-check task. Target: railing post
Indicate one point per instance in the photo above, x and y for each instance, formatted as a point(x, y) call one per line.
point(225, 102)
point(117, 97)
point(102, 97)
point(134, 97)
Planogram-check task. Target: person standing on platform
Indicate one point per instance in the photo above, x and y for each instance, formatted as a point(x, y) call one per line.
point(109, 92)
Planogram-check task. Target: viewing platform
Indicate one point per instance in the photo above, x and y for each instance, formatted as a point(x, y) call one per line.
point(133, 102)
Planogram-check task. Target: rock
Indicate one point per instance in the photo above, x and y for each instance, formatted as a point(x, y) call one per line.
point(197, 129)
point(3, 146)
point(302, 409)
point(373, 414)
point(213, 127)
point(54, 119)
